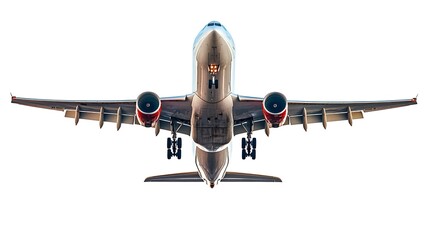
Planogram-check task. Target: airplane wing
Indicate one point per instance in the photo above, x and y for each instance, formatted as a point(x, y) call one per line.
point(248, 111)
point(116, 111)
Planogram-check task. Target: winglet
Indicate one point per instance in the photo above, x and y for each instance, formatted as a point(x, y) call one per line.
point(12, 98)
point(415, 99)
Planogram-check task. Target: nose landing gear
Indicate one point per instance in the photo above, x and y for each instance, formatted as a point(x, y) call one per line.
point(213, 83)
point(213, 70)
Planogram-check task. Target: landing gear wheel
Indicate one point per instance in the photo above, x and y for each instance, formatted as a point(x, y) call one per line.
point(169, 143)
point(254, 143)
point(253, 154)
point(243, 154)
point(179, 143)
point(179, 154)
point(169, 154)
point(214, 83)
point(243, 143)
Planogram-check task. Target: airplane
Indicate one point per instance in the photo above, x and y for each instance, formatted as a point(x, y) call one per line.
point(212, 114)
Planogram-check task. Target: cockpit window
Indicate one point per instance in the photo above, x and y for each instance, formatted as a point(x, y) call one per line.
point(214, 24)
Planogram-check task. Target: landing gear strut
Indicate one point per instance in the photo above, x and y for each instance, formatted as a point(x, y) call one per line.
point(174, 147)
point(174, 144)
point(248, 145)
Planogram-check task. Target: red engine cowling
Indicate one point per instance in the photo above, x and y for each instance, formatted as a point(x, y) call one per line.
point(274, 108)
point(148, 109)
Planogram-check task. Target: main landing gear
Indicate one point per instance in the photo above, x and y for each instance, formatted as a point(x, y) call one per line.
point(174, 144)
point(248, 147)
point(174, 147)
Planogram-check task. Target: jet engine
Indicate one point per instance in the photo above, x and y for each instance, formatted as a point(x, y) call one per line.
point(274, 108)
point(148, 109)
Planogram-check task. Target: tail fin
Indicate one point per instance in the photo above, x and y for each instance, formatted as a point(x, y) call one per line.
point(229, 177)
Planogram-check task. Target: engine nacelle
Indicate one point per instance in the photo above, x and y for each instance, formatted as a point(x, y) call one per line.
point(274, 108)
point(148, 109)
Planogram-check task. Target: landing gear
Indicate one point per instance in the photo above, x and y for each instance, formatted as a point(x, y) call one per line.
point(248, 147)
point(174, 144)
point(174, 147)
point(213, 83)
point(213, 69)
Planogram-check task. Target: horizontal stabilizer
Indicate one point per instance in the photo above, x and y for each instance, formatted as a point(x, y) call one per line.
point(248, 177)
point(176, 177)
point(229, 177)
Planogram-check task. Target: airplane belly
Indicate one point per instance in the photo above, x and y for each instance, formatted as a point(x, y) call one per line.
point(212, 124)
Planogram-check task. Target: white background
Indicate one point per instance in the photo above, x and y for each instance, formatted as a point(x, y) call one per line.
point(60, 181)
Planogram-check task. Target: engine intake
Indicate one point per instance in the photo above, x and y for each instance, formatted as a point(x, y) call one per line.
point(274, 108)
point(148, 109)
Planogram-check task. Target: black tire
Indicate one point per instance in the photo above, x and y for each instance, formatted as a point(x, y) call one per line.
point(210, 84)
point(243, 143)
point(253, 154)
point(216, 84)
point(179, 143)
point(179, 154)
point(243, 154)
point(169, 154)
point(169, 143)
point(254, 143)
